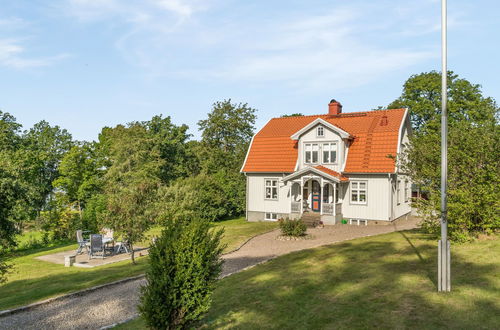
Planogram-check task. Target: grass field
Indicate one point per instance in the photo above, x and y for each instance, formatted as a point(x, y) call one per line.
point(386, 281)
point(32, 280)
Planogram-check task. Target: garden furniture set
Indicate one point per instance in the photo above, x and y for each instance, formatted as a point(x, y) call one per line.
point(100, 245)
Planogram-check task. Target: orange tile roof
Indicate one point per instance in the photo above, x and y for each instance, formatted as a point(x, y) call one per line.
point(332, 172)
point(272, 149)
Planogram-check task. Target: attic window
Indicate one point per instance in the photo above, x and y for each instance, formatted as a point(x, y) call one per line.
point(320, 131)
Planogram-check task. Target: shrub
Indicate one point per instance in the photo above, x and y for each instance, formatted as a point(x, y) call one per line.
point(294, 228)
point(185, 263)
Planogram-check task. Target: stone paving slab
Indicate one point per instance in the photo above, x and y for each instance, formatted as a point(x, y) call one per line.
point(117, 303)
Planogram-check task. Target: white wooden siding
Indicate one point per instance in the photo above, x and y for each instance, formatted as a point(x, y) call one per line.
point(256, 200)
point(376, 207)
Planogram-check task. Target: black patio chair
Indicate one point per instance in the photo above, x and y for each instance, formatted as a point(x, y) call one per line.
point(97, 248)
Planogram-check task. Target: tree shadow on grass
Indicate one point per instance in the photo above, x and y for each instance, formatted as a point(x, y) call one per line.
point(386, 281)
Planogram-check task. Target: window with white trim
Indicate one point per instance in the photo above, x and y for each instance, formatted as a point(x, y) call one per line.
point(406, 191)
point(271, 186)
point(320, 131)
point(311, 153)
point(271, 216)
point(359, 191)
point(398, 192)
point(330, 153)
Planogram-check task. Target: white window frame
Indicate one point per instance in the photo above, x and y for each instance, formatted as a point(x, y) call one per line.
point(318, 131)
point(311, 150)
point(271, 186)
point(271, 216)
point(358, 191)
point(335, 149)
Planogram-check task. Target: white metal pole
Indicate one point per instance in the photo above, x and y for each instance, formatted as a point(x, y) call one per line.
point(444, 253)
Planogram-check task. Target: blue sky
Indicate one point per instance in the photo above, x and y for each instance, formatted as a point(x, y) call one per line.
point(85, 64)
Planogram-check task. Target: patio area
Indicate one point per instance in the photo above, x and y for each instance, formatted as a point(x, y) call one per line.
point(82, 260)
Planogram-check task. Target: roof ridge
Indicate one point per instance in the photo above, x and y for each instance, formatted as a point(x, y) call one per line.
point(339, 116)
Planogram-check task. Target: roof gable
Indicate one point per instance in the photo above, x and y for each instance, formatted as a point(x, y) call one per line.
point(343, 134)
point(318, 170)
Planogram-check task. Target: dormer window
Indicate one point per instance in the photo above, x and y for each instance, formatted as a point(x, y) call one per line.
point(330, 153)
point(320, 131)
point(311, 153)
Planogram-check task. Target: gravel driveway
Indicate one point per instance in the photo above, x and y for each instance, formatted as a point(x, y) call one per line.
point(117, 303)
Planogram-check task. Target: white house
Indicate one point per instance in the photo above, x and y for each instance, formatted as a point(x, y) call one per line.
point(333, 166)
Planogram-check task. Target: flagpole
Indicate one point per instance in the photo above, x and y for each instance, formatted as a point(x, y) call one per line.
point(444, 245)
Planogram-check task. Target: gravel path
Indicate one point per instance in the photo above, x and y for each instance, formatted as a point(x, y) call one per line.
point(117, 303)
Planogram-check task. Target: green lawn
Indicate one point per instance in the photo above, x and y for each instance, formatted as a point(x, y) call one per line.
point(386, 281)
point(32, 280)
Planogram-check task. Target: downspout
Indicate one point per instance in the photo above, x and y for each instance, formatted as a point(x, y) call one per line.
point(390, 196)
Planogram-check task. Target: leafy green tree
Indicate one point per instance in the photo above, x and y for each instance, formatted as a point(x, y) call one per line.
point(9, 132)
point(11, 186)
point(171, 141)
point(43, 148)
point(473, 153)
point(10, 192)
point(185, 264)
point(79, 175)
point(131, 181)
point(422, 95)
point(226, 134)
point(209, 197)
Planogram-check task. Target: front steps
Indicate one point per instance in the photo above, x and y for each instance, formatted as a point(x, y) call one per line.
point(311, 219)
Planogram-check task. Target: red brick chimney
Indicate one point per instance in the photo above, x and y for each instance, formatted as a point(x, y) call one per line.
point(334, 108)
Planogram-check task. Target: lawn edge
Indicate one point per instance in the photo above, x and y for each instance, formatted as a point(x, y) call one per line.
point(68, 295)
point(248, 240)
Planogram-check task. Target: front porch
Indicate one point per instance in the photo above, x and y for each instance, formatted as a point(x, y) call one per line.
point(314, 191)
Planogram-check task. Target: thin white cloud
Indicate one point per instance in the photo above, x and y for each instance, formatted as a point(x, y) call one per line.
point(12, 55)
point(345, 46)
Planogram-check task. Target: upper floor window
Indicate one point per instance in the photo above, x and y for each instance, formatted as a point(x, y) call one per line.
point(329, 153)
point(358, 192)
point(311, 153)
point(271, 189)
point(320, 131)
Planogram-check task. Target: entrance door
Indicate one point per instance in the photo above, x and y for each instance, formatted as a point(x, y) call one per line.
point(316, 196)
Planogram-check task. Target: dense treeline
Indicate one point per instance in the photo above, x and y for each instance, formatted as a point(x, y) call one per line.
point(133, 176)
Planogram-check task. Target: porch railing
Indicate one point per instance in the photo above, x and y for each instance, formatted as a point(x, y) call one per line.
point(295, 207)
point(338, 208)
point(327, 208)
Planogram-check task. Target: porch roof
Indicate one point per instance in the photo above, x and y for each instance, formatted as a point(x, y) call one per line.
point(319, 170)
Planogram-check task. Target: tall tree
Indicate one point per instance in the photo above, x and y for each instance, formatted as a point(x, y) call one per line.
point(422, 95)
point(43, 148)
point(226, 134)
point(131, 181)
point(473, 153)
point(79, 174)
point(10, 185)
point(171, 142)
